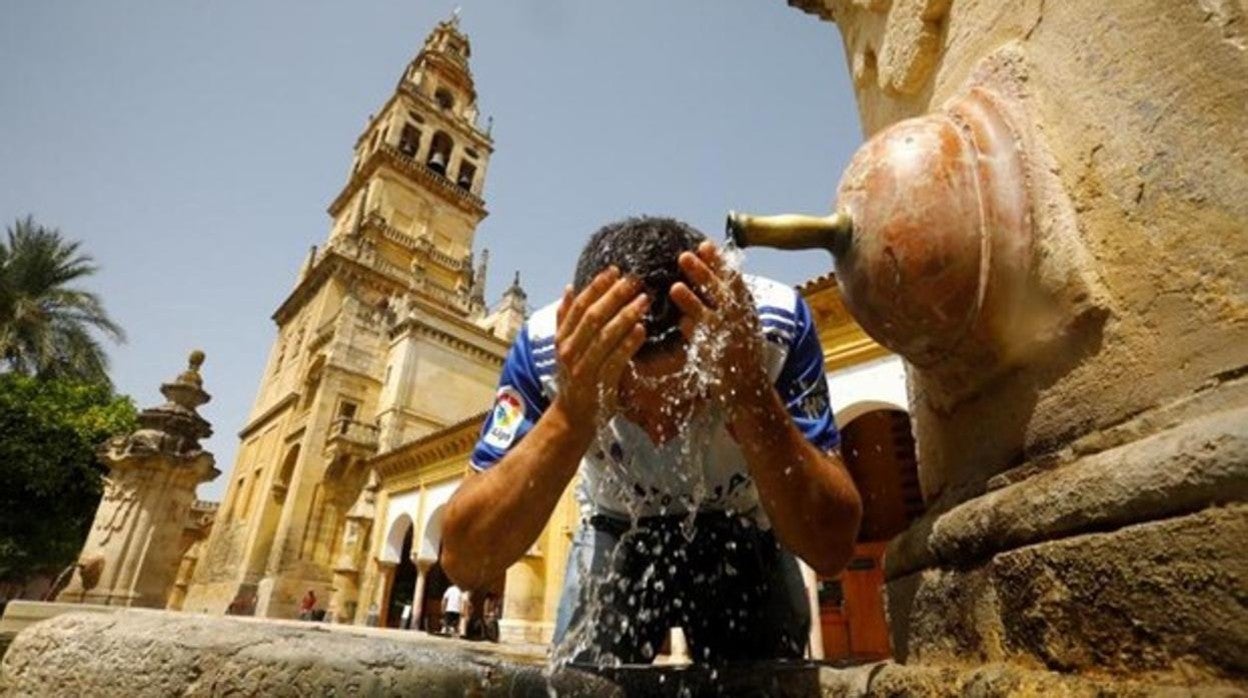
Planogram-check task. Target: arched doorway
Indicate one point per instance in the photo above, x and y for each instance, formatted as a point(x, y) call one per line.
point(404, 584)
point(877, 446)
point(264, 560)
point(436, 583)
point(397, 551)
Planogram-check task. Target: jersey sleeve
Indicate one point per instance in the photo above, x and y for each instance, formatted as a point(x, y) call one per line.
point(803, 385)
point(518, 403)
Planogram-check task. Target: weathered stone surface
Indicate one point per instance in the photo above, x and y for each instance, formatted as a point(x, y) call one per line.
point(1180, 470)
point(151, 653)
point(1167, 598)
point(1128, 199)
point(889, 679)
point(139, 653)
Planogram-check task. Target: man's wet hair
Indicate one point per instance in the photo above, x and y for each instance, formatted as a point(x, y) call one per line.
point(646, 247)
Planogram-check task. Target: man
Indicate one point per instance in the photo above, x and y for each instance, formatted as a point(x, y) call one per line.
point(692, 400)
point(452, 604)
point(307, 605)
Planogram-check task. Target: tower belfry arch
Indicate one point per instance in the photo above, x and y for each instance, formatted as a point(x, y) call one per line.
point(386, 337)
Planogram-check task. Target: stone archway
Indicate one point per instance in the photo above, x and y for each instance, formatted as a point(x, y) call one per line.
point(400, 529)
point(396, 554)
point(431, 535)
point(878, 448)
point(272, 504)
point(852, 411)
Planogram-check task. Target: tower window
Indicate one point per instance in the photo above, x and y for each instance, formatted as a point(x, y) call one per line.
point(409, 140)
point(467, 171)
point(348, 409)
point(440, 153)
point(444, 98)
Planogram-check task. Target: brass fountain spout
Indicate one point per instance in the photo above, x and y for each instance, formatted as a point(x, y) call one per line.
point(931, 237)
point(834, 232)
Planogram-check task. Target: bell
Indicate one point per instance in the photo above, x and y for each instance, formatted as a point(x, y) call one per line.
point(437, 163)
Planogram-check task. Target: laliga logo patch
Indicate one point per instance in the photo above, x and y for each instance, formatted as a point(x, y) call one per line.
point(507, 417)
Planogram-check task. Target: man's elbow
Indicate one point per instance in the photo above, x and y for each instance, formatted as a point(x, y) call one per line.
point(455, 559)
point(836, 555)
point(455, 568)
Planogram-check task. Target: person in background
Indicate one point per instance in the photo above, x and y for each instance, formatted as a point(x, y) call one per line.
point(374, 615)
point(307, 605)
point(452, 605)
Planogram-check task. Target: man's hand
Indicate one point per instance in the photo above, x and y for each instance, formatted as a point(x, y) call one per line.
point(495, 515)
point(723, 308)
point(596, 335)
point(808, 495)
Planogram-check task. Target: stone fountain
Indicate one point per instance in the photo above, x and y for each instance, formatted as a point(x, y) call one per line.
point(132, 552)
point(1049, 222)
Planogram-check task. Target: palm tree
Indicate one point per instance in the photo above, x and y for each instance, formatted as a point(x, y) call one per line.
point(48, 327)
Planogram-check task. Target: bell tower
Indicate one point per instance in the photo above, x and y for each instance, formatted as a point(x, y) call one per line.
point(418, 174)
point(383, 339)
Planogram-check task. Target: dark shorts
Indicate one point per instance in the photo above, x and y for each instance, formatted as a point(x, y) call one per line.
point(731, 588)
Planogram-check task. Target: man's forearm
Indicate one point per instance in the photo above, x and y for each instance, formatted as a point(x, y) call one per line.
point(809, 496)
point(496, 515)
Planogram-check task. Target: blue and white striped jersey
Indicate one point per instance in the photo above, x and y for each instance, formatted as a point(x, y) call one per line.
point(703, 468)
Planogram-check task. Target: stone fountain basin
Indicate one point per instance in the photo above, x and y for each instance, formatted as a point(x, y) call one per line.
point(135, 652)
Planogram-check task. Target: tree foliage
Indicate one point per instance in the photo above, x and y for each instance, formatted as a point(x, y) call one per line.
point(49, 327)
point(50, 430)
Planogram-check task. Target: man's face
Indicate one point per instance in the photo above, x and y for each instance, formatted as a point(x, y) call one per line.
point(657, 394)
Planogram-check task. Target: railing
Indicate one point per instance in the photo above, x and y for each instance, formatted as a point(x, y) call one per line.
point(438, 179)
point(421, 245)
point(349, 431)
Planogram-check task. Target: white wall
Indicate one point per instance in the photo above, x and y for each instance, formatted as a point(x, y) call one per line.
point(879, 381)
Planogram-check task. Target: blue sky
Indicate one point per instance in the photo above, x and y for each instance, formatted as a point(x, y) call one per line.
point(193, 146)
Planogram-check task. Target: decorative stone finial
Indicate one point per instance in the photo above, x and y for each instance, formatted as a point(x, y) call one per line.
point(191, 374)
point(516, 290)
point(172, 429)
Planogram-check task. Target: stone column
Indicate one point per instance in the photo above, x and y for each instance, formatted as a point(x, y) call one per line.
point(385, 583)
point(133, 550)
point(418, 594)
point(355, 538)
point(811, 581)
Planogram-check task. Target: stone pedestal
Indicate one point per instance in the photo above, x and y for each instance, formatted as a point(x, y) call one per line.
point(134, 548)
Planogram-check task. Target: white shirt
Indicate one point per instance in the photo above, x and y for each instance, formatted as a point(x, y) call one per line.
point(452, 600)
point(625, 474)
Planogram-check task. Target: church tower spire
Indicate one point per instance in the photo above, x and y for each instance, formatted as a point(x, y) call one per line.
point(379, 343)
point(414, 193)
